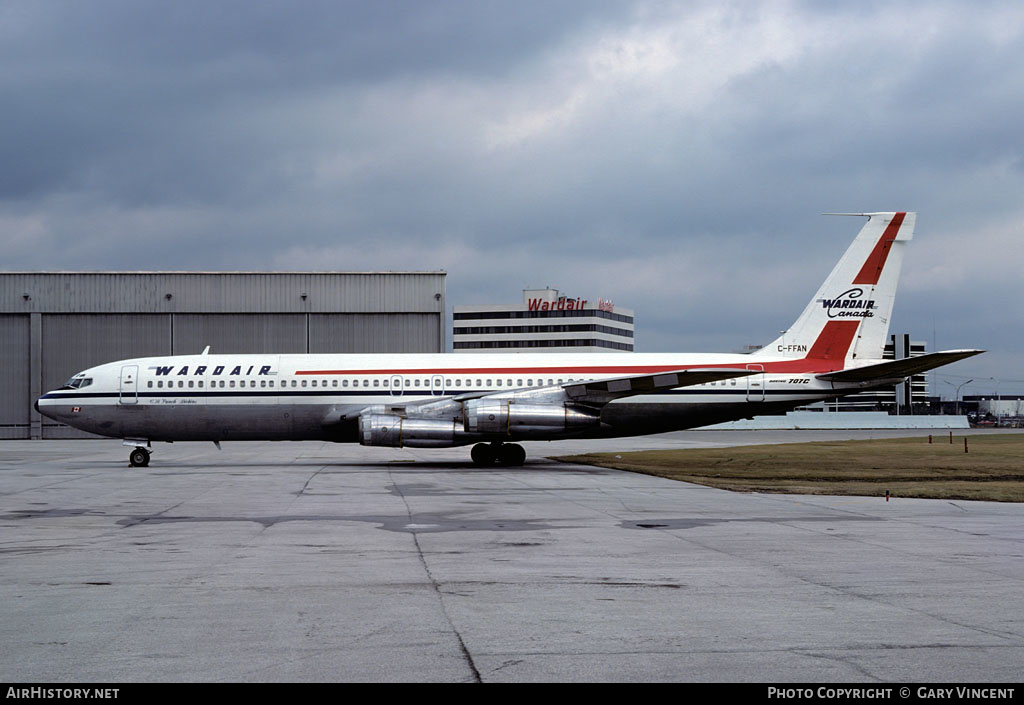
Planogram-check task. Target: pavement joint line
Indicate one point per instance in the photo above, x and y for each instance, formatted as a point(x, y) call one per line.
point(437, 588)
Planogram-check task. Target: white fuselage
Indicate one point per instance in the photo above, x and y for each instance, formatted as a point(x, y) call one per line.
point(301, 397)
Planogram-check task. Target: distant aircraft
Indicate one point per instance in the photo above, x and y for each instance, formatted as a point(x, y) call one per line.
point(441, 400)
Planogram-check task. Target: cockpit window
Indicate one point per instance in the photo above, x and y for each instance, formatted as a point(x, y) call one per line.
point(77, 382)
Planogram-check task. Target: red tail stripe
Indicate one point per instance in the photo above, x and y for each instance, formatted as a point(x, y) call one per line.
point(834, 341)
point(872, 268)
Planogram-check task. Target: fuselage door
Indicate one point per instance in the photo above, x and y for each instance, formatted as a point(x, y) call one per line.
point(755, 384)
point(437, 385)
point(397, 385)
point(130, 384)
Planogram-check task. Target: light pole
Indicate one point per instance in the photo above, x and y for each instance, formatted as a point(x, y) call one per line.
point(958, 395)
point(998, 412)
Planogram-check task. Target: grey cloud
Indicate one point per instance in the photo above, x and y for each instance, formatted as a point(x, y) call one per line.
point(541, 143)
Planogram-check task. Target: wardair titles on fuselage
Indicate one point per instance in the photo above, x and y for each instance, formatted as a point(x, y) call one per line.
point(217, 370)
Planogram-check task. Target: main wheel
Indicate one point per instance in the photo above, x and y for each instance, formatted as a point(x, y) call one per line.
point(482, 454)
point(139, 458)
point(511, 454)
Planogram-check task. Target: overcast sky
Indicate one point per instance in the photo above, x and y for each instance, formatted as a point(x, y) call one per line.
point(673, 157)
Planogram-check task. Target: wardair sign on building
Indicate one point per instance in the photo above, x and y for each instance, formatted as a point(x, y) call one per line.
point(564, 304)
point(560, 305)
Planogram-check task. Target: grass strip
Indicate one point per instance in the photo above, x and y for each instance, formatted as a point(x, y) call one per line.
point(992, 469)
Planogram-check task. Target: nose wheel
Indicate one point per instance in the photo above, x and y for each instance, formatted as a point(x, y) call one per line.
point(139, 458)
point(508, 454)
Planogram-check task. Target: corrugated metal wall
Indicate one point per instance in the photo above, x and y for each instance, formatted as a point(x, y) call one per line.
point(373, 333)
point(75, 341)
point(239, 333)
point(15, 402)
point(54, 324)
point(72, 342)
point(222, 292)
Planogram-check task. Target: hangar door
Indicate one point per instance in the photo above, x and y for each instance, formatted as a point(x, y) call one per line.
point(74, 342)
point(15, 404)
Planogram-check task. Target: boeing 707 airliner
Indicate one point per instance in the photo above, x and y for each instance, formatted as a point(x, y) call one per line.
point(492, 401)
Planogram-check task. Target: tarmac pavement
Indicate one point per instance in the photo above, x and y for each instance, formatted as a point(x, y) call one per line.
point(319, 562)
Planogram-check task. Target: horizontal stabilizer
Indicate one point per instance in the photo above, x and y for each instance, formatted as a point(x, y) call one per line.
point(605, 390)
point(898, 369)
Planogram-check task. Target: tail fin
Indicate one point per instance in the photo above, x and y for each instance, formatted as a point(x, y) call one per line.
point(849, 316)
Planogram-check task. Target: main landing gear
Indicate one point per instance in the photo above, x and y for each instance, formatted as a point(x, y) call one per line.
point(139, 457)
point(508, 454)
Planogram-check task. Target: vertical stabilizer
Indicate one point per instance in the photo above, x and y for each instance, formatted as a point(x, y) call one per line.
point(849, 316)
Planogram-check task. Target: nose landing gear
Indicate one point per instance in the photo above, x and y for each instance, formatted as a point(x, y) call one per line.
point(508, 454)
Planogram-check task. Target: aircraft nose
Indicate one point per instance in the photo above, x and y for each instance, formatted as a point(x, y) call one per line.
point(36, 405)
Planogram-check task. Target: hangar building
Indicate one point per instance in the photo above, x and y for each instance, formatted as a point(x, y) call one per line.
point(54, 324)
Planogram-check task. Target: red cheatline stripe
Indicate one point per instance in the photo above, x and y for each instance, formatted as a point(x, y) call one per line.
point(872, 268)
point(821, 363)
point(834, 340)
point(615, 369)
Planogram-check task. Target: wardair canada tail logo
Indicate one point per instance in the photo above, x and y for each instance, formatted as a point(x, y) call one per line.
point(849, 304)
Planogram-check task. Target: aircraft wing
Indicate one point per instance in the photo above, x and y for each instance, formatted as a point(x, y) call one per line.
point(605, 390)
point(594, 392)
point(898, 369)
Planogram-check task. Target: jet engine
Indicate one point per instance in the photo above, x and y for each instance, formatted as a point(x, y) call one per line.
point(398, 431)
point(491, 420)
point(508, 418)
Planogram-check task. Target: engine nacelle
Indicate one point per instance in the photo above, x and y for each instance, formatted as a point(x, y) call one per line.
point(508, 418)
point(396, 431)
